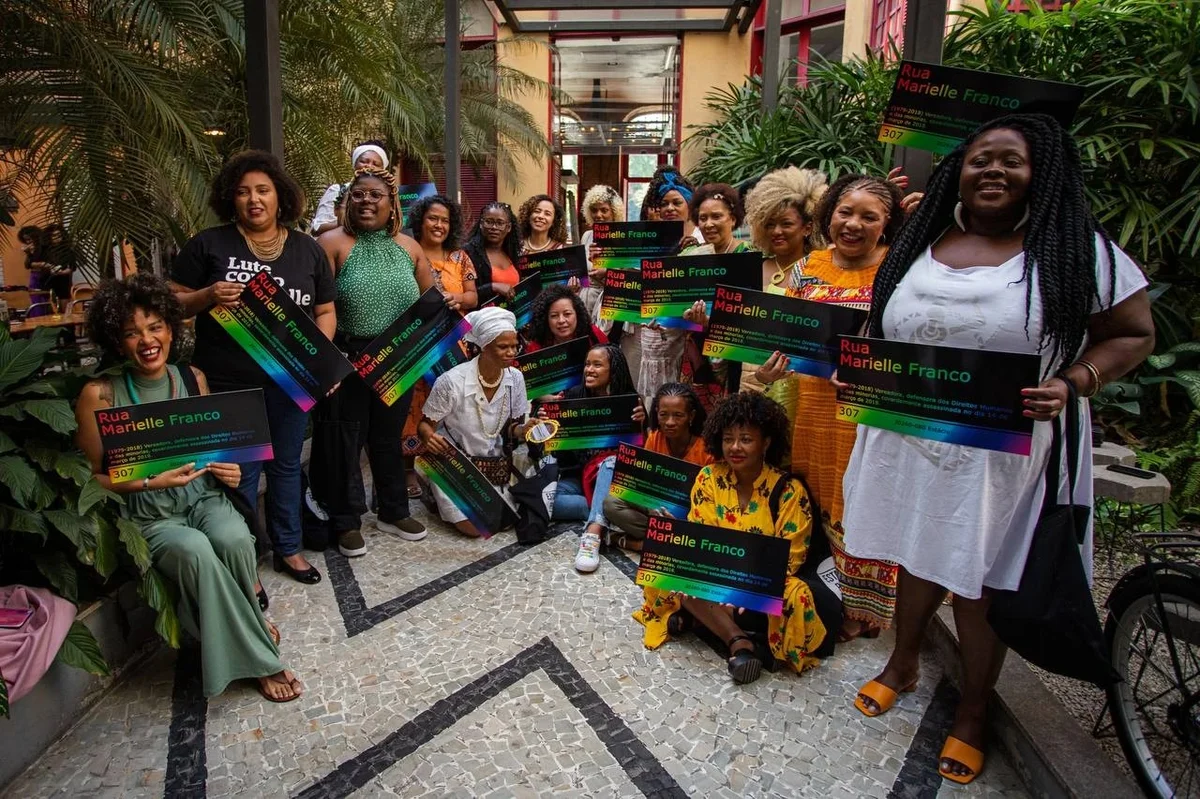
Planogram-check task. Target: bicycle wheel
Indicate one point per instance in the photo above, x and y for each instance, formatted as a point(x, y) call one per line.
point(1159, 732)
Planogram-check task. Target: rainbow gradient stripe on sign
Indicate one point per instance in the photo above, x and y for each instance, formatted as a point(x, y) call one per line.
point(140, 471)
point(593, 442)
point(797, 363)
point(772, 606)
point(949, 432)
point(432, 475)
point(635, 497)
point(670, 314)
point(266, 361)
point(418, 370)
point(628, 263)
point(921, 140)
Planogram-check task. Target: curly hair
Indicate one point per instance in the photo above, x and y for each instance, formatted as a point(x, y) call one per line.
point(1060, 239)
point(115, 301)
point(603, 194)
point(225, 185)
point(389, 179)
point(558, 227)
point(798, 189)
point(539, 325)
point(884, 190)
point(693, 401)
point(721, 192)
point(477, 248)
point(418, 211)
point(749, 409)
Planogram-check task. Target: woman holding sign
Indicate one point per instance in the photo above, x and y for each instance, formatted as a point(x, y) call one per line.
point(1002, 254)
point(600, 204)
point(858, 215)
point(380, 273)
point(558, 317)
point(259, 201)
point(197, 538)
point(495, 247)
point(745, 490)
point(479, 407)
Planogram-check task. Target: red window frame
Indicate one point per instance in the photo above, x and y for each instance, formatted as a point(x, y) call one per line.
point(887, 21)
point(803, 24)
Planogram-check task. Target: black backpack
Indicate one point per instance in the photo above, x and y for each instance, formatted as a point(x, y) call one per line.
point(828, 604)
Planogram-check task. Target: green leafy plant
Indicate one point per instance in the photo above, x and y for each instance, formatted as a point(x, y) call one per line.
point(58, 526)
point(830, 124)
point(124, 110)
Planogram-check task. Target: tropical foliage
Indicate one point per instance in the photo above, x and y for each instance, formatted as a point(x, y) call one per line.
point(126, 107)
point(829, 124)
point(58, 526)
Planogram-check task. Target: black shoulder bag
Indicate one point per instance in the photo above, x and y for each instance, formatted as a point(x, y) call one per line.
point(1050, 620)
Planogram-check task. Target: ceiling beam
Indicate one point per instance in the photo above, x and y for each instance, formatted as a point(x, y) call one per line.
point(623, 26)
point(748, 16)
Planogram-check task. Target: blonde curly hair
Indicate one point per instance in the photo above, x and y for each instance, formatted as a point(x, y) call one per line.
point(603, 194)
point(789, 187)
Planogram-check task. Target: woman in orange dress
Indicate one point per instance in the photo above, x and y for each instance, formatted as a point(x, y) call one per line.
point(436, 223)
point(858, 215)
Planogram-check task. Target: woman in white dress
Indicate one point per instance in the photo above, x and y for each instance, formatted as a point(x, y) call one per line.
point(479, 407)
point(1002, 254)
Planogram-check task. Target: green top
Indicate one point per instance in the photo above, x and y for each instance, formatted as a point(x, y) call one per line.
point(375, 285)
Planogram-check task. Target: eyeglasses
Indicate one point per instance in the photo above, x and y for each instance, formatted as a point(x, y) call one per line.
point(495, 224)
point(374, 195)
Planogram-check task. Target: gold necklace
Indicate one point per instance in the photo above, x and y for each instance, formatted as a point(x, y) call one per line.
point(504, 415)
point(268, 252)
point(485, 383)
point(529, 246)
point(781, 273)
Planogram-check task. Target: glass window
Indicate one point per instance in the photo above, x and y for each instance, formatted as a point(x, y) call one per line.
point(789, 49)
point(571, 162)
point(824, 5)
point(827, 41)
point(790, 9)
point(642, 165)
point(635, 193)
point(477, 21)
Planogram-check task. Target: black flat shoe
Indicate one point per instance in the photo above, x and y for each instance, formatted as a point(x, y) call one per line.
point(309, 576)
point(744, 664)
point(264, 602)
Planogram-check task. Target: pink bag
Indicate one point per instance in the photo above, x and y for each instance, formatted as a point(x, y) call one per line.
point(27, 653)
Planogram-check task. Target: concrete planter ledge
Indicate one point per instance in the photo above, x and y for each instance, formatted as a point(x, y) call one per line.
point(1044, 743)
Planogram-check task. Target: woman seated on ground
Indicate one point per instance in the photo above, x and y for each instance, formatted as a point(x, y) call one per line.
point(559, 316)
point(585, 475)
point(480, 408)
point(676, 422)
point(749, 433)
point(196, 536)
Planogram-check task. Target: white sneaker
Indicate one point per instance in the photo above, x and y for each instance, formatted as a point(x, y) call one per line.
point(587, 559)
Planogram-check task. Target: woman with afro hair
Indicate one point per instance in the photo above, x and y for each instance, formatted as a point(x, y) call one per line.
point(195, 534)
point(746, 490)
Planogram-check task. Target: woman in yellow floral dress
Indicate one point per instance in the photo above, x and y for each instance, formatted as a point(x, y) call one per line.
point(749, 433)
point(858, 215)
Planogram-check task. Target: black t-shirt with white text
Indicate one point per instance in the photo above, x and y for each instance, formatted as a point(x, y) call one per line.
point(221, 254)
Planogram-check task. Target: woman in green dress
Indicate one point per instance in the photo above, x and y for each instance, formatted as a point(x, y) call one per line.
point(197, 537)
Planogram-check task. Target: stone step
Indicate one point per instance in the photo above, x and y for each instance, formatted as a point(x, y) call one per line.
point(1108, 452)
point(1129, 488)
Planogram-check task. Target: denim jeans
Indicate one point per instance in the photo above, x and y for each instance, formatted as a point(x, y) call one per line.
point(570, 503)
point(288, 424)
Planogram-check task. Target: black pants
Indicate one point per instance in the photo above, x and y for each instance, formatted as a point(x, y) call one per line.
point(380, 430)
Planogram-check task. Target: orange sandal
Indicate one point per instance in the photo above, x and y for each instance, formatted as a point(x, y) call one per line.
point(881, 695)
point(964, 753)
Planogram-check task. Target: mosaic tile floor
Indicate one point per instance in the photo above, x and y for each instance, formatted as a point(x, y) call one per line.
point(456, 667)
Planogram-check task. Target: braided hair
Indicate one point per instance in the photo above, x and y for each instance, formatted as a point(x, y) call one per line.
point(619, 379)
point(1059, 239)
point(476, 247)
point(693, 401)
point(883, 190)
point(389, 180)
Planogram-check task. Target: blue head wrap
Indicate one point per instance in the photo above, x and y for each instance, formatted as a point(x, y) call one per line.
point(673, 181)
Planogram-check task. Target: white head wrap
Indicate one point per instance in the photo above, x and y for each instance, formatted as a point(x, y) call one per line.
point(488, 323)
point(368, 148)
